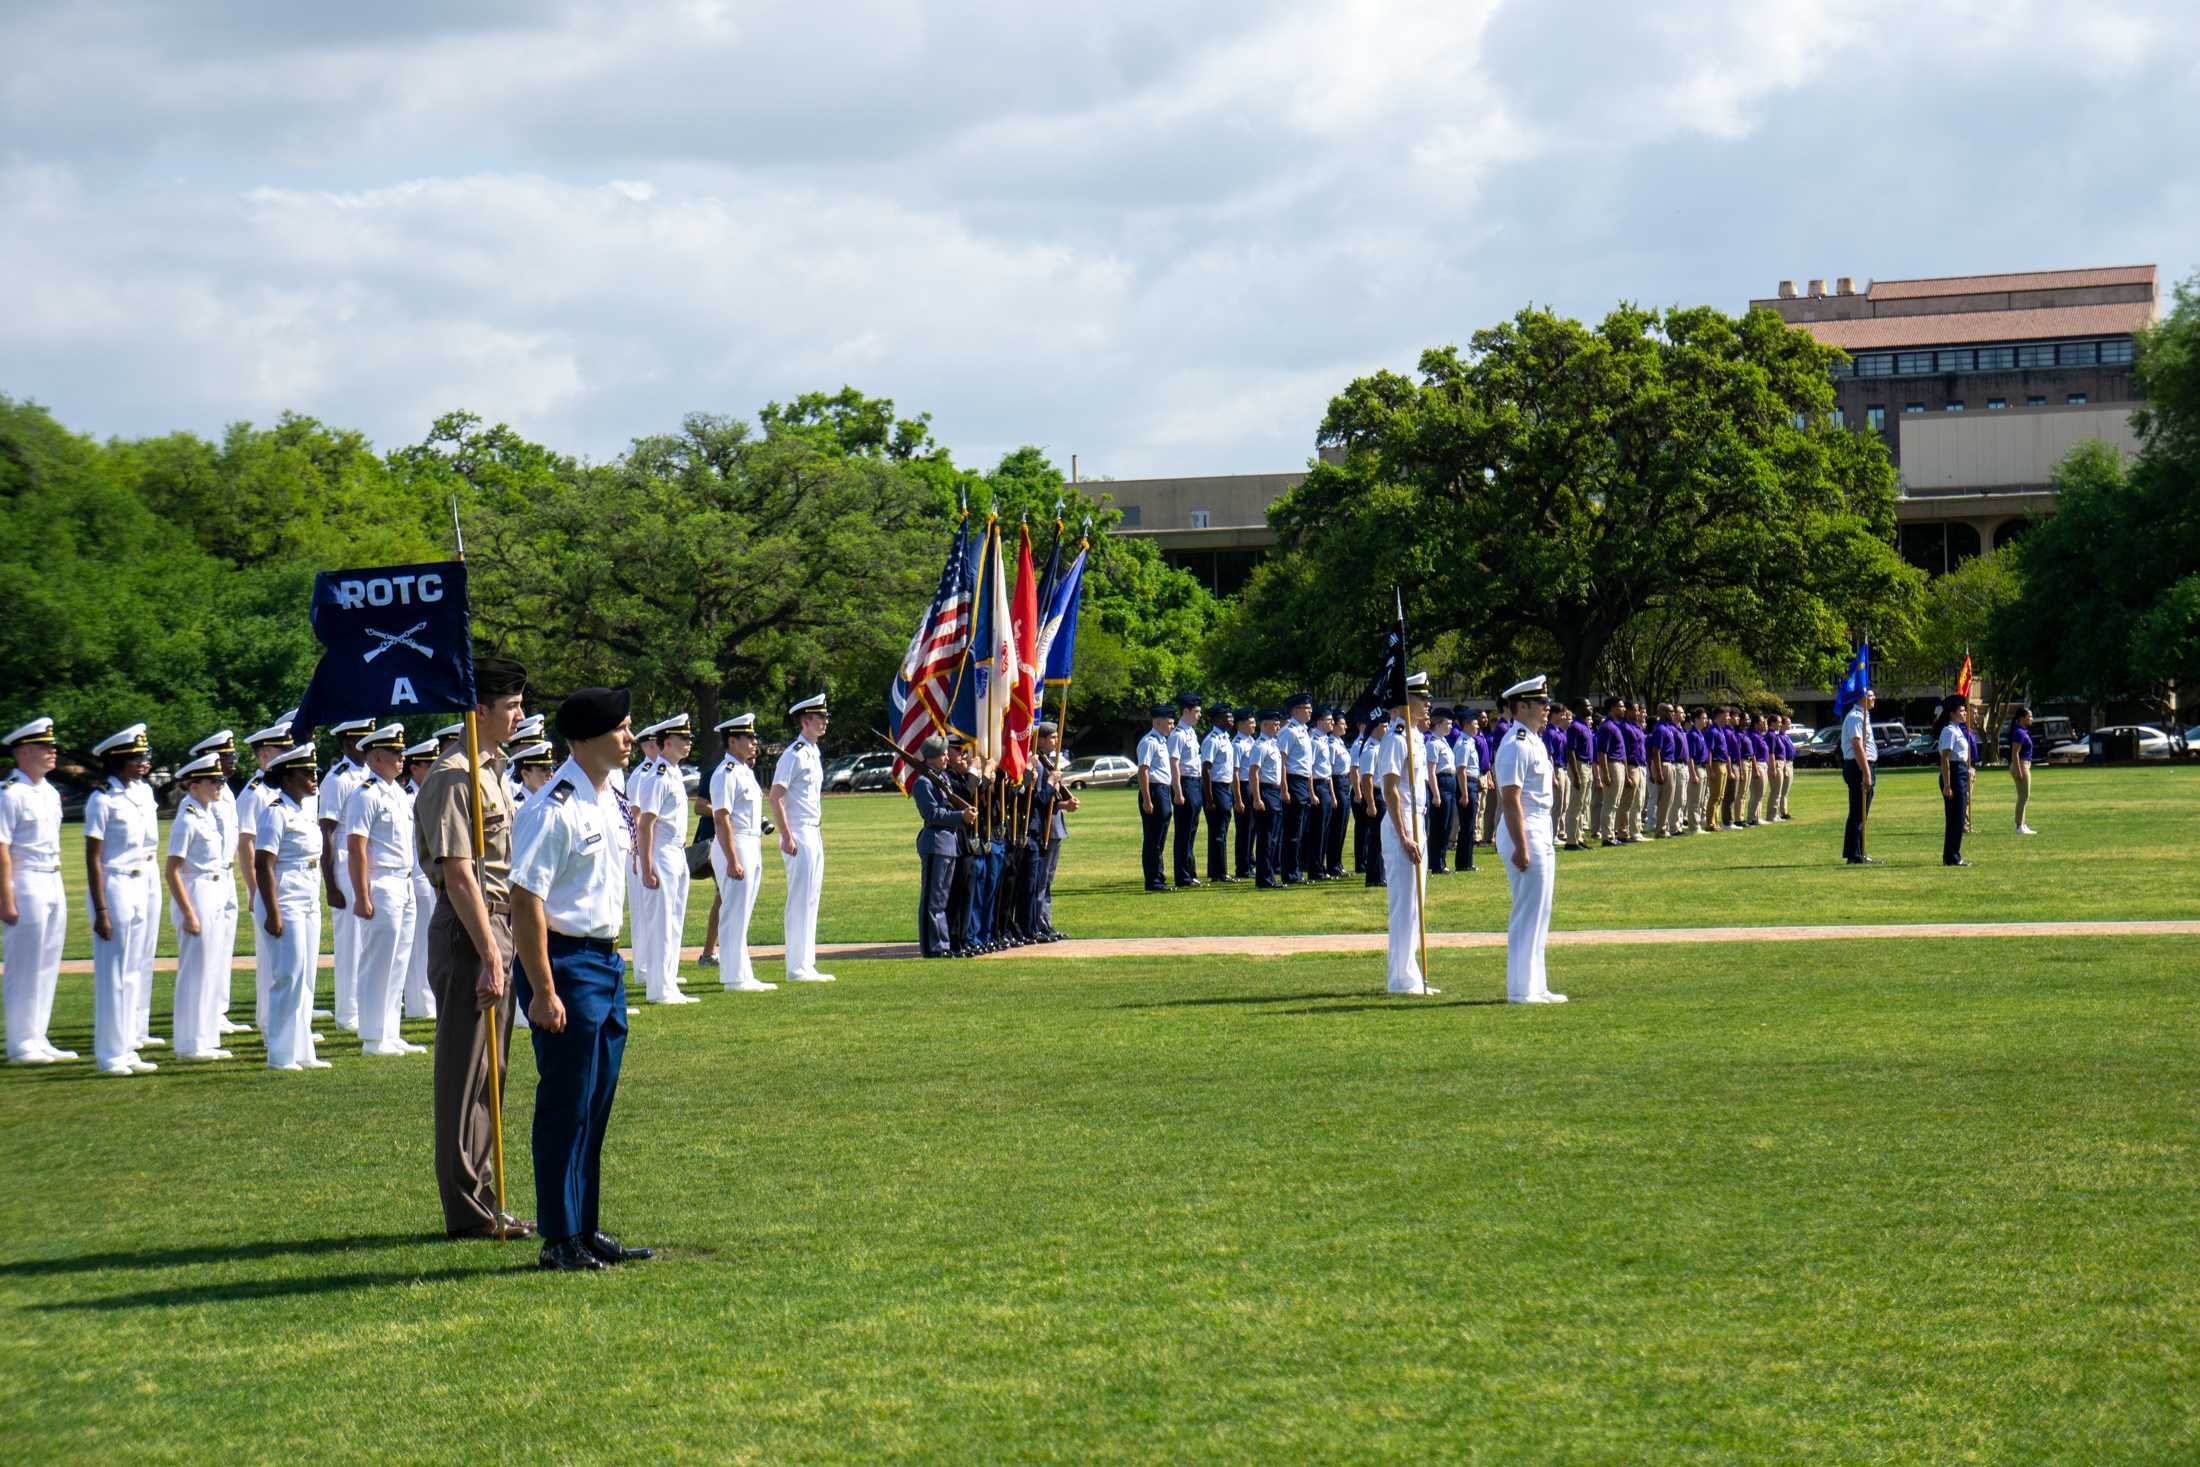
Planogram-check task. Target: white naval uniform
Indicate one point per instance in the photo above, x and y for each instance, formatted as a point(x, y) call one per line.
point(660, 916)
point(802, 774)
point(251, 800)
point(379, 811)
point(200, 838)
point(1403, 898)
point(219, 981)
point(632, 791)
point(290, 833)
point(734, 789)
point(122, 965)
point(336, 792)
point(419, 995)
point(30, 827)
point(1523, 760)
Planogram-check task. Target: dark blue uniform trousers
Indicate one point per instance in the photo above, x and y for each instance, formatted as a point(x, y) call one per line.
point(1244, 830)
point(1340, 814)
point(1296, 817)
point(1187, 830)
point(1157, 833)
point(1441, 813)
point(985, 892)
point(1470, 816)
point(1268, 832)
point(1218, 832)
point(579, 1069)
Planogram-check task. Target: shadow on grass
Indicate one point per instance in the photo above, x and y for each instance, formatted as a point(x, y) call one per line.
point(1391, 1007)
point(246, 1290)
point(1242, 998)
point(214, 1253)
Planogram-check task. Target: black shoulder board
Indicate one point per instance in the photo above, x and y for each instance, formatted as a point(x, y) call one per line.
point(1521, 734)
point(561, 791)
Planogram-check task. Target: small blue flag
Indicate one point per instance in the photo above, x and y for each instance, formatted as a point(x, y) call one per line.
point(398, 640)
point(1856, 679)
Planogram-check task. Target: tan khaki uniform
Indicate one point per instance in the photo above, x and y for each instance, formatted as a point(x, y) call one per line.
point(443, 824)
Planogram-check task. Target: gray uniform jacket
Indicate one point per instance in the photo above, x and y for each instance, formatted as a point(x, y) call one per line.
point(943, 823)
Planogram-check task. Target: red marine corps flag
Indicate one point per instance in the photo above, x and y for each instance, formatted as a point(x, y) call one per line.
point(1023, 692)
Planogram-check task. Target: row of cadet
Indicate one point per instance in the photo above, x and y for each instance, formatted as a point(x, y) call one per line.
point(1292, 782)
point(347, 840)
point(987, 846)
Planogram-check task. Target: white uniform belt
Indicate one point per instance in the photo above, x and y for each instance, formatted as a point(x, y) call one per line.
point(35, 868)
point(310, 864)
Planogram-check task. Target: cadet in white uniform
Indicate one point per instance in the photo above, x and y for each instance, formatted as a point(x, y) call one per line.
point(34, 909)
point(737, 852)
point(344, 776)
point(121, 850)
point(223, 746)
point(797, 784)
point(529, 731)
point(287, 871)
point(1524, 841)
point(419, 993)
point(633, 791)
point(202, 902)
point(251, 800)
point(1403, 776)
point(377, 830)
point(661, 831)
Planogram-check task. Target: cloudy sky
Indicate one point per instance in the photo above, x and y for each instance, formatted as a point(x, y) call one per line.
point(1155, 235)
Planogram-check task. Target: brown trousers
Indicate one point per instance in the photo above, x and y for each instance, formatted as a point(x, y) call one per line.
point(465, 1146)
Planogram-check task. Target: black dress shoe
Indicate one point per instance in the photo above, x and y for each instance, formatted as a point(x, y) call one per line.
point(569, 1255)
point(1958, 861)
point(1267, 885)
point(1191, 881)
point(1157, 886)
point(611, 1250)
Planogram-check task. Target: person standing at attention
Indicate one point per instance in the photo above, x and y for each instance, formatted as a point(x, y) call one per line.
point(737, 852)
point(1187, 789)
point(1218, 777)
point(34, 907)
point(1156, 794)
point(1859, 753)
point(797, 784)
point(1524, 842)
point(2020, 764)
point(1403, 774)
point(569, 866)
point(1955, 777)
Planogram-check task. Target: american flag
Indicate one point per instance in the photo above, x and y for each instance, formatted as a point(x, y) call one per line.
point(917, 704)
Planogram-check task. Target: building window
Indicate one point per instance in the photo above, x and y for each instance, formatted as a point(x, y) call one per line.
point(1996, 358)
point(1875, 417)
point(1955, 361)
point(2035, 356)
point(2078, 354)
point(1199, 519)
point(1913, 407)
point(1844, 369)
point(1913, 363)
point(1840, 419)
point(2076, 399)
point(1952, 407)
point(2116, 353)
point(1937, 547)
point(2010, 530)
point(1876, 365)
point(1131, 513)
point(2035, 400)
point(1996, 404)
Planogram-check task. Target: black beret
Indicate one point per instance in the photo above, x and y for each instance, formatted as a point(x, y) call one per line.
point(498, 677)
point(1162, 710)
point(591, 712)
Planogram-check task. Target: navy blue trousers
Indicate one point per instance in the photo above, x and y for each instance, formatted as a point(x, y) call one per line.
point(1218, 832)
point(1297, 816)
point(1244, 830)
point(1157, 833)
point(579, 1070)
point(1187, 829)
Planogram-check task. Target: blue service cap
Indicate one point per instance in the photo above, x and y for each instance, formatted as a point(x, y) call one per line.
point(1190, 700)
point(1162, 710)
point(1297, 699)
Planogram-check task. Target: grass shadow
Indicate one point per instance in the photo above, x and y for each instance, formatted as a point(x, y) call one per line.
point(1390, 1007)
point(1242, 998)
point(245, 1291)
point(213, 1253)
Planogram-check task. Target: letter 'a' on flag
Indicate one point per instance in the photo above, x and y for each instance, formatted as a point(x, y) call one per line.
point(1856, 679)
point(396, 640)
point(918, 703)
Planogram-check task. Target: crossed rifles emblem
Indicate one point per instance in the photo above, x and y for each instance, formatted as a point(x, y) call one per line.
point(398, 639)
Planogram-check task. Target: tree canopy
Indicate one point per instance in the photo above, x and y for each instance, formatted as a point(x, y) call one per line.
point(1540, 491)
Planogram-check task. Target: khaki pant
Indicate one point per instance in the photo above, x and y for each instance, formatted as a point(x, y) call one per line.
point(1783, 774)
point(465, 1154)
point(1737, 789)
point(1603, 800)
point(1715, 794)
point(1673, 799)
point(2020, 771)
point(1576, 812)
point(1561, 792)
point(1629, 820)
point(1753, 801)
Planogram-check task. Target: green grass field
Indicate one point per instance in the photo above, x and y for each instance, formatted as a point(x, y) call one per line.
point(2112, 841)
point(1829, 1202)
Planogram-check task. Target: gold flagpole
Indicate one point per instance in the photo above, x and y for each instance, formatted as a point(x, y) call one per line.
point(481, 884)
point(1420, 867)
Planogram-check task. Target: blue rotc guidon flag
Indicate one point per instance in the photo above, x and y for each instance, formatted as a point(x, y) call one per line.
point(1057, 651)
point(1856, 679)
point(1387, 689)
point(398, 639)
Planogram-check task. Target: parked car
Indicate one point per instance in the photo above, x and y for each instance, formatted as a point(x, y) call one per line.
point(872, 772)
point(1890, 735)
point(839, 771)
point(1821, 751)
point(1802, 733)
point(2151, 742)
point(1100, 771)
point(1910, 753)
point(2047, 733)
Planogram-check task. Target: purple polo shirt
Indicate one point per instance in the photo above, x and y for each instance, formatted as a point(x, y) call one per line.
point(1760, 747)
point(1668, 738)
point(1578, 742)
point(1699, 748)
point(1555, 742)
point(2020, 743)
point(1638, 742)
point(1722, 749)
point(1482, 751)
point(1970, 736)
point(1611, 743)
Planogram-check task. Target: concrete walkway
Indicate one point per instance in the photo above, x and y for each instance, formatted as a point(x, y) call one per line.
point(1292, 945)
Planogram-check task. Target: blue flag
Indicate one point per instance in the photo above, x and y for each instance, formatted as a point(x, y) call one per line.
point(398, 639)
point(1856, 679)
point(1058, 624)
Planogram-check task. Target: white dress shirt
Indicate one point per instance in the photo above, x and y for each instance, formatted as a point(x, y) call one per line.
point(380, 811)
point(734, 790)
point(126, 825)
point(1220, 752)
point(569, 847)
point(1393, 758)
point(1153, 757)
point(30, 824)
point(198, 837)
point(290, 831)
point(801, 773)
point(1523, 760)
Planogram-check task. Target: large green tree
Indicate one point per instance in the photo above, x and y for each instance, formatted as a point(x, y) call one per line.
point(2111, 581)
point(1556, 481)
